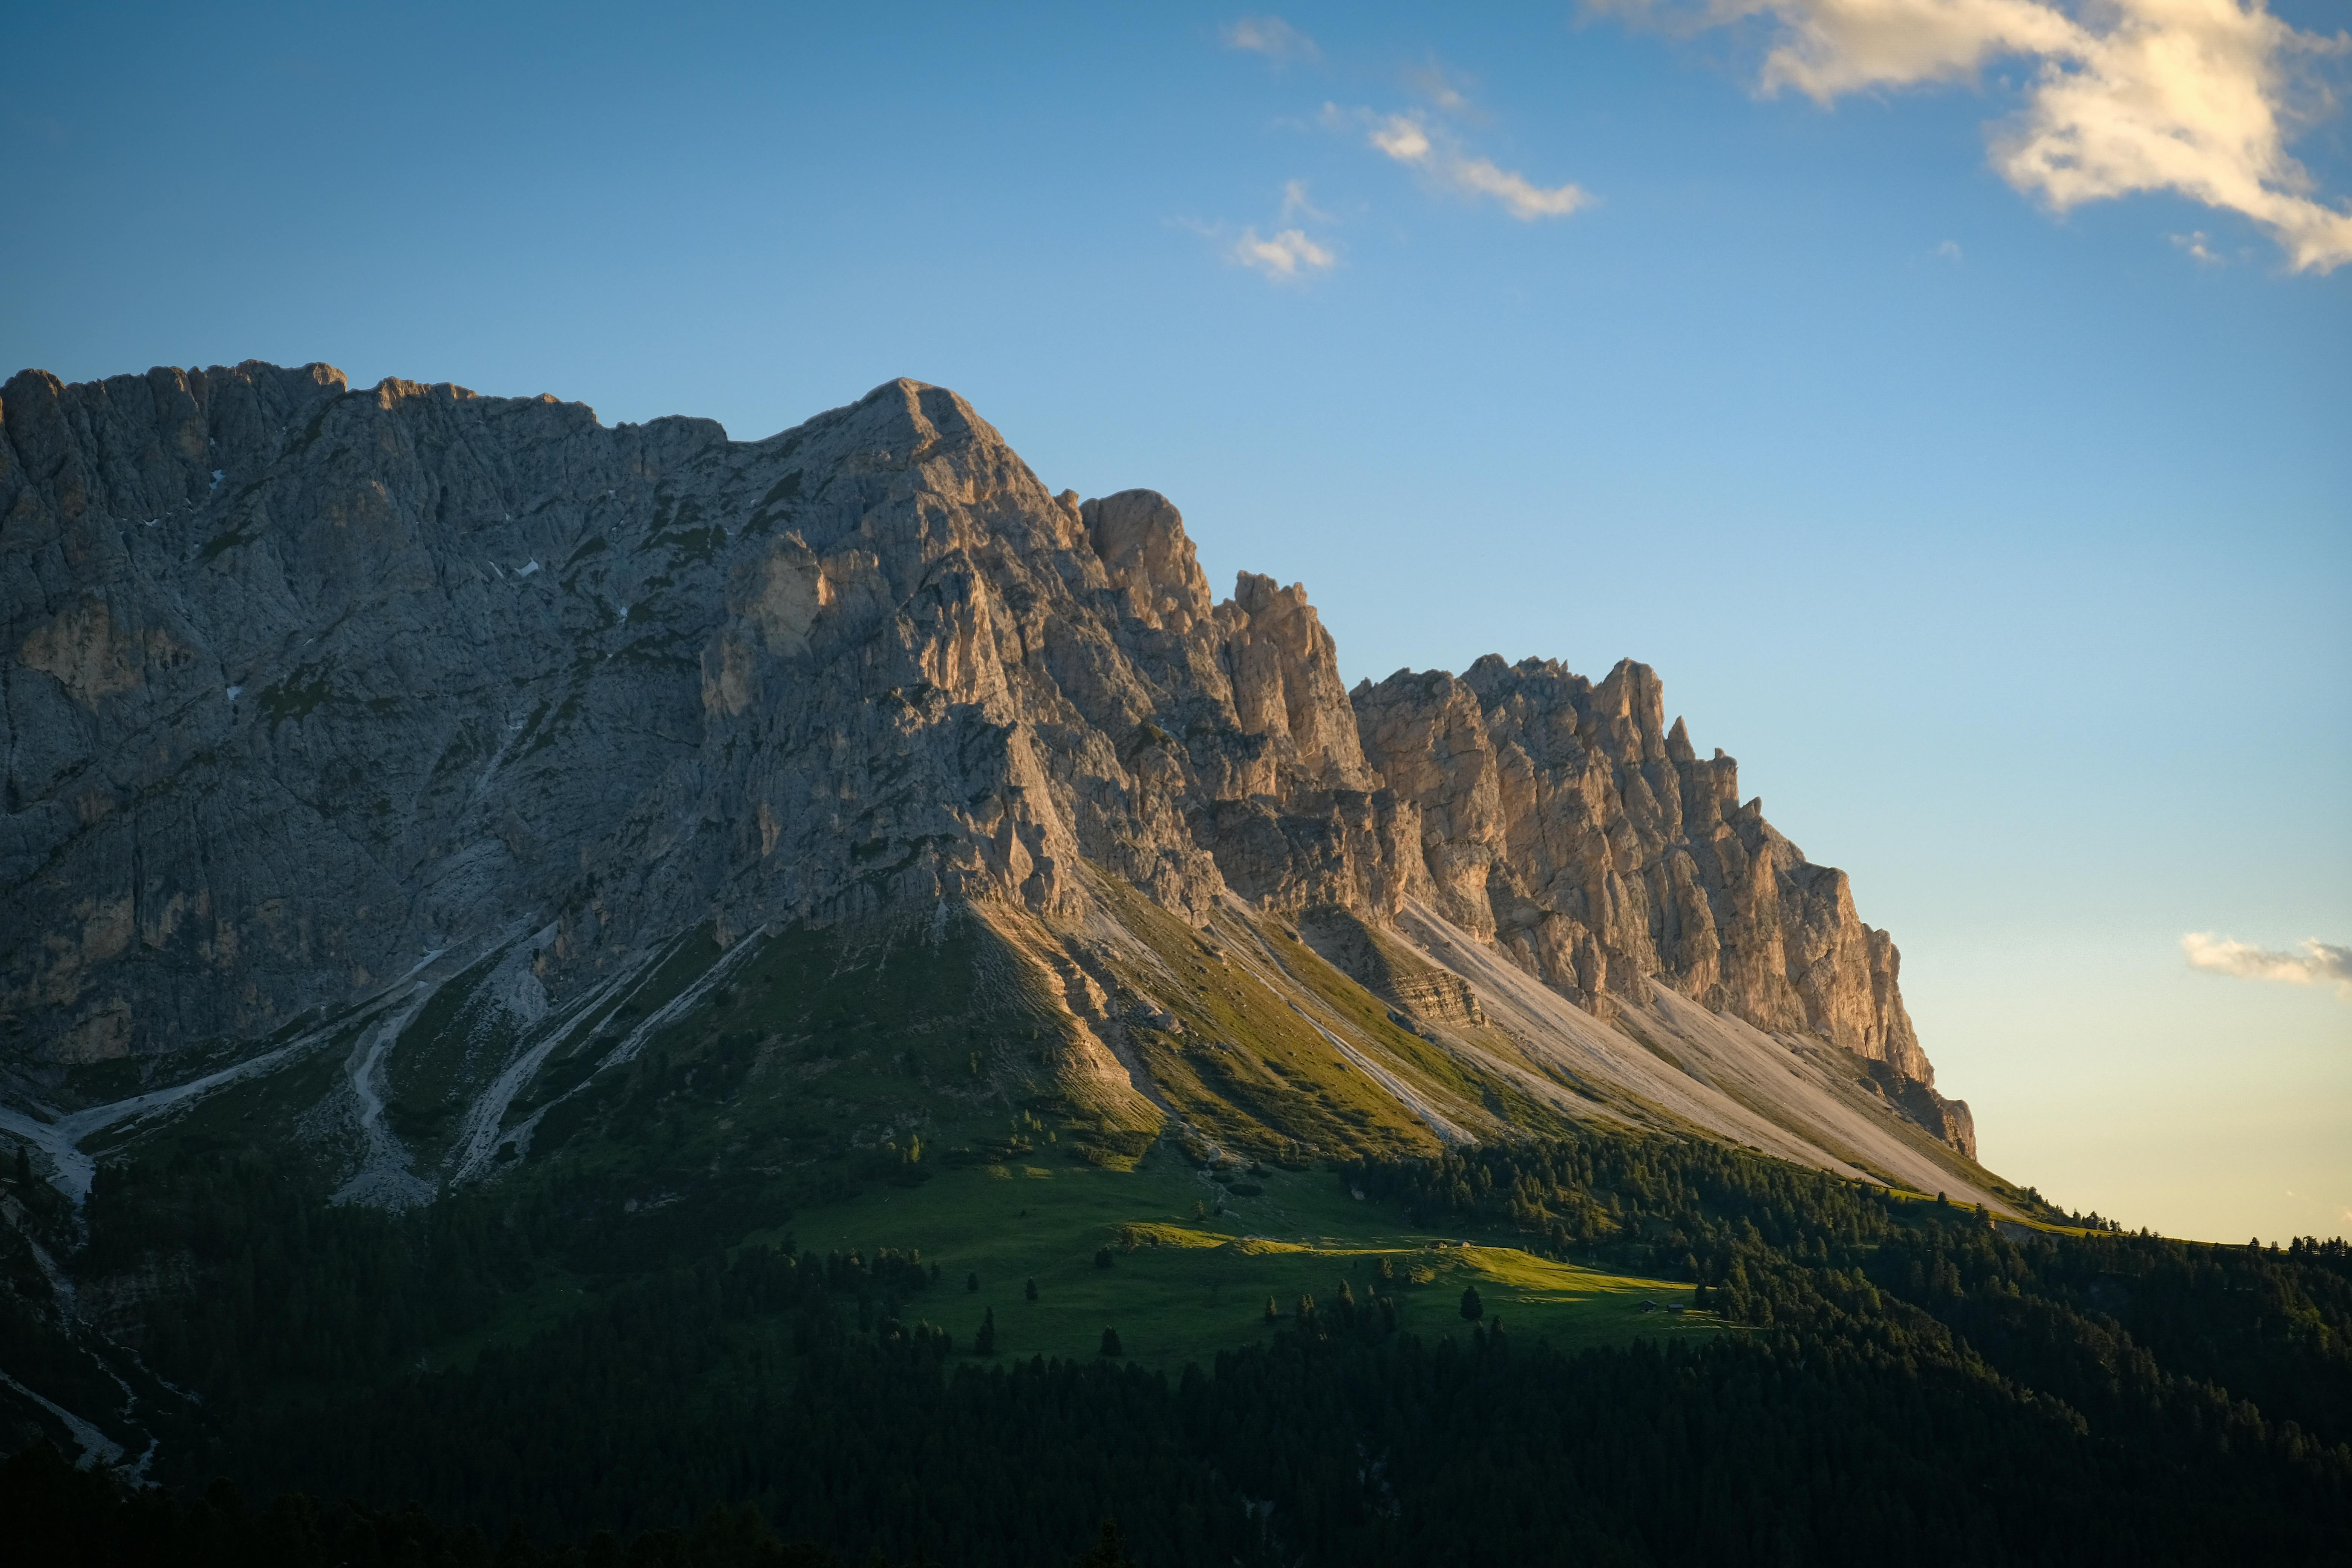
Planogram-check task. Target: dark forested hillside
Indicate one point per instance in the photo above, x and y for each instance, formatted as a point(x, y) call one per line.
point(1893, 1378)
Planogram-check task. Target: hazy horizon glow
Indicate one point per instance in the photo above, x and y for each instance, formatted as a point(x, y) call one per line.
point(1950, 398)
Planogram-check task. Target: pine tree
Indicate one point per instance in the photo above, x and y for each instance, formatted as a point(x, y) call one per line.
point(1111, 1345)
point(971, 1284)
point(1108, 1551)
point(1030, 1290)
point(1273, 1312)
point(984, 1342)
point(1471, 1308)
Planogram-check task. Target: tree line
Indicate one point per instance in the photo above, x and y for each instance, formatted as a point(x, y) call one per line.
point(1895, 1377)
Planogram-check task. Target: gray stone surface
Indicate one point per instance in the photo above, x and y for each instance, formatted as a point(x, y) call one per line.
point(299, 685)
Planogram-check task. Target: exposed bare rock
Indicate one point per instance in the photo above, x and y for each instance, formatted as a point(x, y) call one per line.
point(1287, 687)
point(1389, 968)
point(302, 686)
point(1140, 538)
point(1569, 824)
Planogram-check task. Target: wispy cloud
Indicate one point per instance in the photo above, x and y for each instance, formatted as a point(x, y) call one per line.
point(1949, 250)
point(2198, 244)
point(2193, 97)
point(1295, 203)
point(2313, 962)
point(1431, 148)
point(1441, 87)
point(1285, 256)
point(1271, 37)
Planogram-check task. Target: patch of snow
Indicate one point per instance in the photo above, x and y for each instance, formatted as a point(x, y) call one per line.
point(233, 691)
point(526, 569)
point(500, 569)
point(151, 523)
point(218, 475)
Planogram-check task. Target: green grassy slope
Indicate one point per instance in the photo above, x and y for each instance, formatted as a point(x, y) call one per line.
point(1185, 1280)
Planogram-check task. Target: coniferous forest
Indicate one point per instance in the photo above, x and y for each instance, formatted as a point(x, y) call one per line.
point(1892, 1377)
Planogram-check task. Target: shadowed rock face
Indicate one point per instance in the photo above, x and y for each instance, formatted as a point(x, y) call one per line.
point(303, 684)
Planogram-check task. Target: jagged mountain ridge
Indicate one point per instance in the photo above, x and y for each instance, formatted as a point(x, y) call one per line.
point(310, 690)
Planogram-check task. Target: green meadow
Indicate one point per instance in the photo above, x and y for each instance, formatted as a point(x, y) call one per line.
point(1192, 1265)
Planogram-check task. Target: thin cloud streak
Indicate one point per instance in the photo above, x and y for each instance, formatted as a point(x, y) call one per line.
point(1408, 140)
point(2191, 97)
point(2313, 962)
point(1271, 36)
point(1434, 83)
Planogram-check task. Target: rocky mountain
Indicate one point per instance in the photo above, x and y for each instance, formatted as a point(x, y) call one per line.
point(336, 717)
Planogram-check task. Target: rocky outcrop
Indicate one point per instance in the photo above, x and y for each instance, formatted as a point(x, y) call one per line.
point(299, 685)
point(1567, 823)
point(1422, 992)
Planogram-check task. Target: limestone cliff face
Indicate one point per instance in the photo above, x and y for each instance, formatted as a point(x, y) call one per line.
point(1567, 823)
point(304, 683)
point(1570, 825)
point(299, 685)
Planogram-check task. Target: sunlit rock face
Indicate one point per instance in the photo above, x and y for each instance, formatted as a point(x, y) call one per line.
point(303, 684)
point(1570, 825)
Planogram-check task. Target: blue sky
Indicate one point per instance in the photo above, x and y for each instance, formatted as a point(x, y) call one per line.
point(2009, 547)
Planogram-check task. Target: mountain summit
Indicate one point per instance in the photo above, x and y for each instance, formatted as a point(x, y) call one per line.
point(472, 744)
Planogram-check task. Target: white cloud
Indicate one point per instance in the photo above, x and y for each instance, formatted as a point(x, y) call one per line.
point(1412, 142)
point(2196, 242)
point(1401, 137)
point(2313, 962)
point(2193, 97)
point(1438, 85)
point(1295, 203)
point(1949, 250)
point(1524, 198)
point(1285, 256)
point(1271, 36)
